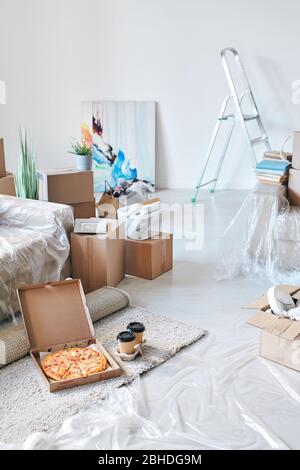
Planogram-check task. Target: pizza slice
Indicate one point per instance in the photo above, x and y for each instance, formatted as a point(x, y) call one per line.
point(55, 372)
point(74, 372)
point(91, 361)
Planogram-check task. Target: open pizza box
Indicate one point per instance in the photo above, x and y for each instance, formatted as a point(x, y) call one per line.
point(280, 337)
point(56, 317)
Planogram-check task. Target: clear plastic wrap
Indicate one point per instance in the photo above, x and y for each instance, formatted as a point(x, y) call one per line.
point(34, 246)
point(214, 395)
point(263, 239)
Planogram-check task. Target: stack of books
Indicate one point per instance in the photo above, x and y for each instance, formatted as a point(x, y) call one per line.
point(273, 171)
point(277, 155)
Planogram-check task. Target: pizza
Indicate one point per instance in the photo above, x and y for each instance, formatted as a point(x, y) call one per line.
point(73, 363)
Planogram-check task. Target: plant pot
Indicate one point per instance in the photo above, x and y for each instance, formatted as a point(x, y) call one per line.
point(84, 162)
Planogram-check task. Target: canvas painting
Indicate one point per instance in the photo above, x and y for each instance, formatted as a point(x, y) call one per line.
point(123, 140)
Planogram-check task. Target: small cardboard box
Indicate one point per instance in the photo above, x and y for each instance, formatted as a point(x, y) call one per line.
point(66, 186)
point(99, 260)
point(56, 317)
point(108, 206)
point(294, 187)
point(149, 258)
point(84, 210)
point(280, 337)
point(296, 150)
point(7, 185)
point(2, 159)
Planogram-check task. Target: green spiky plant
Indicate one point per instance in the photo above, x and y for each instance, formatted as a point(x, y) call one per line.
point(26, 177)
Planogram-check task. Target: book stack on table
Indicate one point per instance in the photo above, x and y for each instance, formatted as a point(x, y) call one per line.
point(273, 171)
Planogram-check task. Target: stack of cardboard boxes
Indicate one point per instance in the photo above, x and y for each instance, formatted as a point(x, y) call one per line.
point(7, 180)
point(104, 259)
point(71, 187)
point(294, 173)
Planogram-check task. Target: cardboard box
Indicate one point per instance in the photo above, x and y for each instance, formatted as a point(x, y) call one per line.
point(84, 210)
point(296, 150)
point(7, 185)
point(99, 260)
point(2, 159)
point(55, 317)
point(294, 187)
point(149, 258)
point(280, 337)
point(66, 186)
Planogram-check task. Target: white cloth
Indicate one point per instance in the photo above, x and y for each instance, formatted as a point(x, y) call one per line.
point(142, 222)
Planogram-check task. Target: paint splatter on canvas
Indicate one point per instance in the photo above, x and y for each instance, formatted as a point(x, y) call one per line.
point(123, 138)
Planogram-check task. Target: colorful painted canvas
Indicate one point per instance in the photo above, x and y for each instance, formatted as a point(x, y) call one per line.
point(122, 135)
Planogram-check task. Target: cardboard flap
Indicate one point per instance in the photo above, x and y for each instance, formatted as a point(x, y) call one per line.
point(262, 302)
point(278, 326)
point(292, 331)
point(55, 313)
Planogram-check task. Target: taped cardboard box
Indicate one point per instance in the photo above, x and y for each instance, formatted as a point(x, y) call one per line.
point(2, 159)
point(56, 317)
point(280, 337)
point(296, 150)
point(66, 186)
point(294, 187)
point(7, 185)
point(149, 258)
point(99, 260)
point(84, 210)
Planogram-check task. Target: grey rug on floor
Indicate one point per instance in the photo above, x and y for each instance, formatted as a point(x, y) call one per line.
point(25, 404)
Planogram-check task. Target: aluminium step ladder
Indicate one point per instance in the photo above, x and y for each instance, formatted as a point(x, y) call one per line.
point(237, 117)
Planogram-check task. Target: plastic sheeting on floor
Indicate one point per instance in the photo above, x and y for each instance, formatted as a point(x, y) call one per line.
point(216, 394)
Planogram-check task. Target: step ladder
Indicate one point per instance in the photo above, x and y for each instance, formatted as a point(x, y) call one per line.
point(236, 99)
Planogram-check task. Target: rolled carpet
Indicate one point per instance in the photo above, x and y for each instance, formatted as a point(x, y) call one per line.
point(101, 303)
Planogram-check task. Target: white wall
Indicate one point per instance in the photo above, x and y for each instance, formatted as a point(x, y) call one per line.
point(55, 53)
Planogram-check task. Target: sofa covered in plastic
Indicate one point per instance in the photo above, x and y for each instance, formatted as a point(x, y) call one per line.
point(34, 246)
point(263, 239)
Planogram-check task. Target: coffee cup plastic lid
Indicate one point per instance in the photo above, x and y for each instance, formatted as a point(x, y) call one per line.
point(136, 327)
point(126, 336)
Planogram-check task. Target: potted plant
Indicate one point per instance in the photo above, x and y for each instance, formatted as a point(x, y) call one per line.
point(84, 152)
point(26, 176)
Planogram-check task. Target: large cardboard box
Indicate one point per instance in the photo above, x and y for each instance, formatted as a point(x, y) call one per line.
point(66, 186)
point(2, 159)
point(296, 150)
point(7, 185)
point(99, 260)
point(280, 337)
point(294, 187)
point(84, 210)
point(149, 258)
point(56, 317)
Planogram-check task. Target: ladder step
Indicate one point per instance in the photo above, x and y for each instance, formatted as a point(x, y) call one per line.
point(258, 140)
point(247, 117)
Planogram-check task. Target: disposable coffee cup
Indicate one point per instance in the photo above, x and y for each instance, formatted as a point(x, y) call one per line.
point(127, 341)
point(138, 330)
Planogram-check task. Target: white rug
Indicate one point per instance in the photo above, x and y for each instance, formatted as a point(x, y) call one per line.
point(27, 407)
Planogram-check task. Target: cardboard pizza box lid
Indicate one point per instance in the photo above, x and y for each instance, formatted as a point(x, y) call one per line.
point(55, 313)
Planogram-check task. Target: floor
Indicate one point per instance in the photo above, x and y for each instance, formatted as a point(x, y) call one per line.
point(216, 394)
